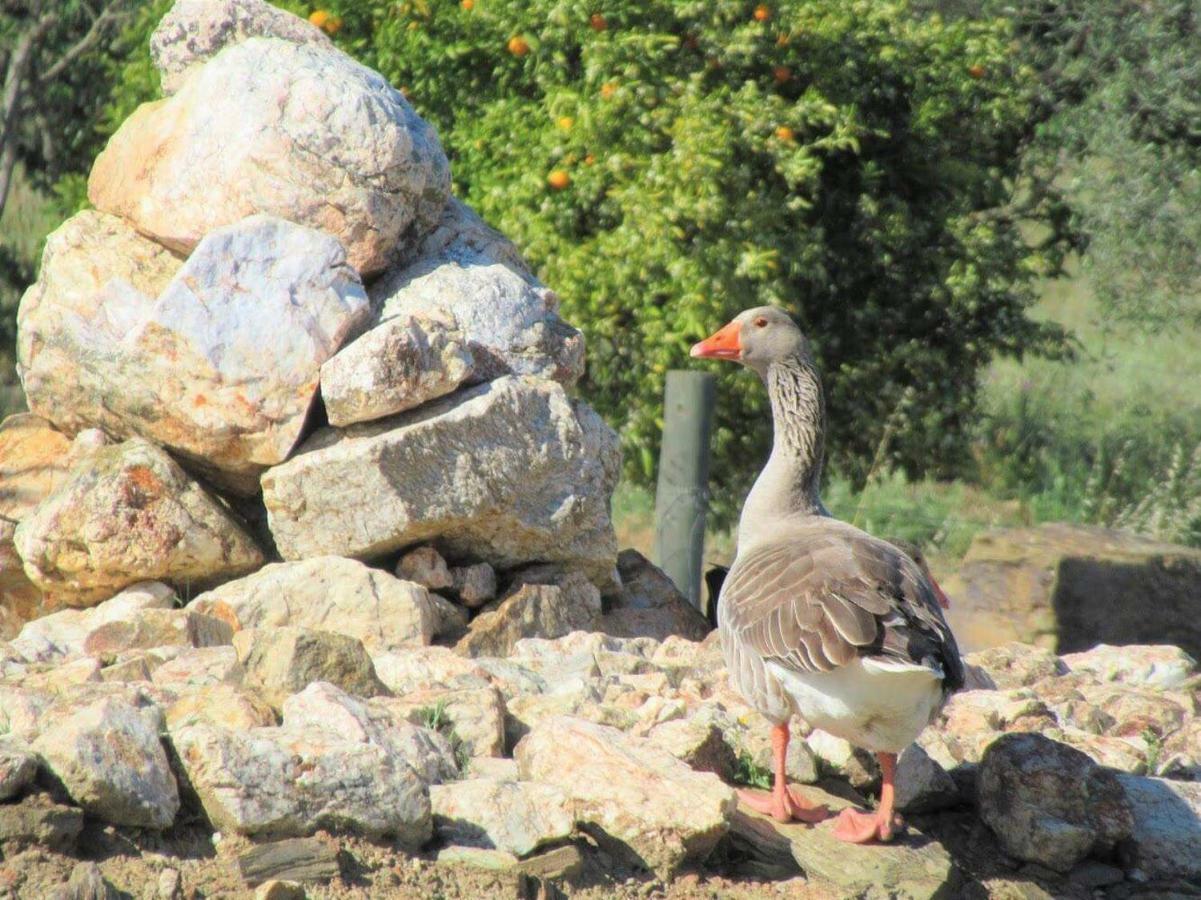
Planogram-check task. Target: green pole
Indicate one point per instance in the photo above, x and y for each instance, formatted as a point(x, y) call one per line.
point(682, 493)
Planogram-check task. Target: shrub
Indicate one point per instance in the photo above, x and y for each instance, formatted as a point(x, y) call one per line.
point(666, 164)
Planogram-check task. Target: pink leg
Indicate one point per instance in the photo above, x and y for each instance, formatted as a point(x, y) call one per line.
point(782, 803)
point(858, 827)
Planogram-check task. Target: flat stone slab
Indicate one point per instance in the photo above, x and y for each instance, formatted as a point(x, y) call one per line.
point(912, 866)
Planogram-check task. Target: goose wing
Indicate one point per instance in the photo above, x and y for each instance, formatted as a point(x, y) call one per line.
point(818, 597)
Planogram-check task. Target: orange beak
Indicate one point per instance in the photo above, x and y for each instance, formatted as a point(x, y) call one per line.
point(723, 344)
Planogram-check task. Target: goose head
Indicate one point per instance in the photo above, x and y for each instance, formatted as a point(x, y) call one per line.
point(756, 338)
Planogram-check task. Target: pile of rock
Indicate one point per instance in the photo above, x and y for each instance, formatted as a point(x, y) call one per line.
point(278, 337)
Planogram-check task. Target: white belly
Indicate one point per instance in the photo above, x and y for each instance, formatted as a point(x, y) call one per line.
point(878, 706)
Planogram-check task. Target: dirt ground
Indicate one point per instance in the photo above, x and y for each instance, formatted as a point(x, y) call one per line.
point(136, 863)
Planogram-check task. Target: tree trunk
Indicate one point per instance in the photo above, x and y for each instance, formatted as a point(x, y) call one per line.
point(14, 82)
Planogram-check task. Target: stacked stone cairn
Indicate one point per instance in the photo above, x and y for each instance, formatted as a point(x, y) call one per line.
point(304, 534)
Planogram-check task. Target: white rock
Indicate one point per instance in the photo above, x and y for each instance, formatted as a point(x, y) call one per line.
point(922, 785)
point(467, 271)
point(111, 762)
point(475, 716)
point(200, 667)
point(532, 610)
point(397, 365)
point(426, 566)
point(475, 585)
point(299, 131)
point(328, 593)
point(632, 791)
point(426, 668)
point(1152, 665)
point(194, 31)
point(457, 470)
point(516, 816)
point(220, 363)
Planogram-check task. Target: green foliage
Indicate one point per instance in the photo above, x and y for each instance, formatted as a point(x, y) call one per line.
point(747, 772)
point(435, 719)
point(1121, 98)
point(847, 161)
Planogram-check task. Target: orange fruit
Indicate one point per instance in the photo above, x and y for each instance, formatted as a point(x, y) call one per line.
point(782, 74)
point(319, 17)
point(976, 70)
point(597, 21)
point(589, 159)
point(518, 45)
point(784, 133)
point(468, 5)
point(565, 122)
point(558, 179)
point(762, 13)
point(608, 89)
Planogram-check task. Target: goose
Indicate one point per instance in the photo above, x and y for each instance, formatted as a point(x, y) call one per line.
point(816, 617)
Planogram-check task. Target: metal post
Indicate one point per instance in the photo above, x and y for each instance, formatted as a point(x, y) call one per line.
point(682, 494)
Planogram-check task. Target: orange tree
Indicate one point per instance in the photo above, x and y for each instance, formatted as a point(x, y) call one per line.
point(667, 163)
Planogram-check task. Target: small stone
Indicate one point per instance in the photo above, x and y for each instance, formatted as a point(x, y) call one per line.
point(88, 883)
point(170, 884)
point(1016, 665)
point(429, 668)
point(475, 585)
point(280, 890)
point(282, 661)
point(398, 365)
point(514, 816)
point(841, 757)
point(222, 705)
point(296, 859)
point(425, 566)
point(546, 611)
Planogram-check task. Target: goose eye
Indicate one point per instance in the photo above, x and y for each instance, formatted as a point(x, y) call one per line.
point(761, 322)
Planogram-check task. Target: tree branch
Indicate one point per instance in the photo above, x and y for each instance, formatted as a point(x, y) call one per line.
point(99, 24)
point(14, 79)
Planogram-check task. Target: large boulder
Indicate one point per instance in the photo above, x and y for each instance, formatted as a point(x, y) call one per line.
point(218, 360)
point(509, 471)
point(283, 782)
point(466, 271)
point(34, 460)
point(194, 31)
point(128, 514)
point(109, 757)
point(343, 152)
point(629, 792)
point(397, 365)
point(1166, 833)
point(1069, 587)
point(1049, 803)
point(327, 593)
